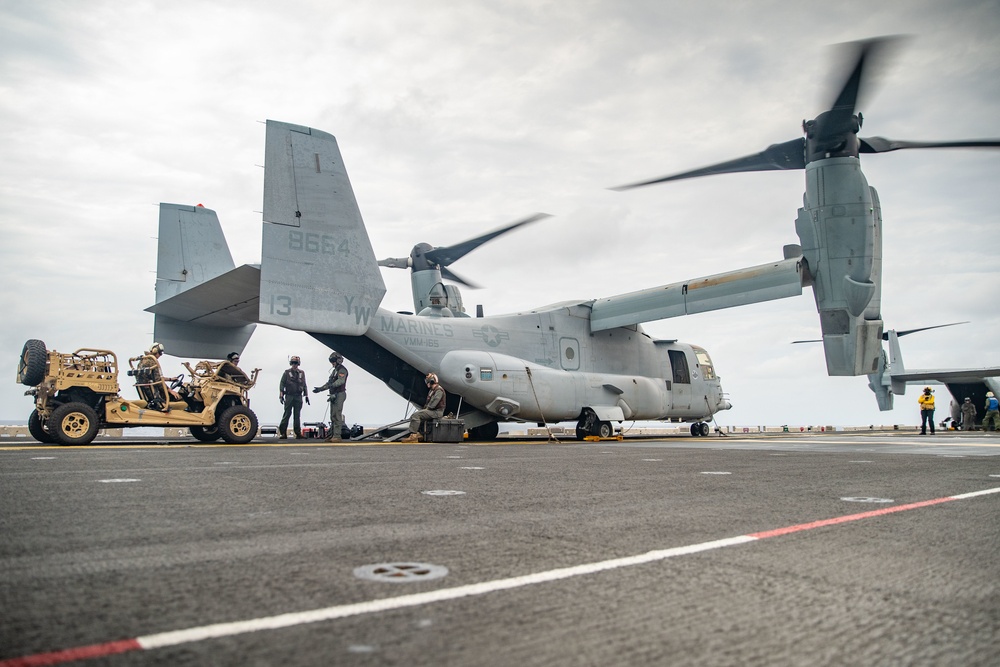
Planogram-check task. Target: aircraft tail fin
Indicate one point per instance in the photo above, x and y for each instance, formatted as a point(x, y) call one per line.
point(318, 271)
point(880, 383)
point(193, 317)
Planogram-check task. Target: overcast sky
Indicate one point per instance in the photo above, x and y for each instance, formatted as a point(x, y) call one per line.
point(457, 117)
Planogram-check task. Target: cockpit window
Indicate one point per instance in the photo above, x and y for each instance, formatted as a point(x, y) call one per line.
point(705, 363)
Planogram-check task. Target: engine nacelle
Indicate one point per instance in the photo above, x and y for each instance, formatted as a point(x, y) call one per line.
point(840, 230)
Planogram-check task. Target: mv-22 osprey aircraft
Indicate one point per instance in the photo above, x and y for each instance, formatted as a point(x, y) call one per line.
point(584, 361)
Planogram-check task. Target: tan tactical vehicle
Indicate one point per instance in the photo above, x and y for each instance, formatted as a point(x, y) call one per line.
point(77, 394)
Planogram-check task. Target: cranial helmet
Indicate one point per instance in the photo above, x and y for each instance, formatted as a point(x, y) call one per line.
point(430, 379)
point(156, 348)
point(927, 390)
point(989, 394)
point(294, 360)
point(335, 357)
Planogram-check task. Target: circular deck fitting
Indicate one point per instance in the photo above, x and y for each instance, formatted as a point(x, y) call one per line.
point(400, 572)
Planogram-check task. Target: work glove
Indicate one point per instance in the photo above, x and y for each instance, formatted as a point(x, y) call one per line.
point(307, 401)
point(316, 390)
point(281, 399)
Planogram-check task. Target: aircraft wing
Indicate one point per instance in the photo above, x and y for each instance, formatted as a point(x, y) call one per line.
point(945, 376)
point(765, 282)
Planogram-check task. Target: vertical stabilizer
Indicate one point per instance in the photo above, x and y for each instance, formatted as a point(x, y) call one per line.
point(896, 363)
point(192, 249)
point(318, 270)
point(192, 253)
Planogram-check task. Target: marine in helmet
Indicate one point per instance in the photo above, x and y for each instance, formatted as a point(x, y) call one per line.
point(337, 384)
point(433, 407)
point(926, 401)
point(151, 381)
point(991, 420)
point(291, 390)
point(968, 415)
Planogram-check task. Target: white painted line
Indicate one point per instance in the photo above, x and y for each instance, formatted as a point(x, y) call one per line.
point(115, 481)
point(717, 473)
point(343, 611)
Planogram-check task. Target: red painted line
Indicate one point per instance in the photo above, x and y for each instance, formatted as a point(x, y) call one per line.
point(845, 519)
point(70, 654)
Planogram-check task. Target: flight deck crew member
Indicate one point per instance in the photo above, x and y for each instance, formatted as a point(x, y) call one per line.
point(151, 361)
point(968, 415)
point(992, 413)
point(926, 401)
point(337, 384)
point(291, 391)
point(433, 407)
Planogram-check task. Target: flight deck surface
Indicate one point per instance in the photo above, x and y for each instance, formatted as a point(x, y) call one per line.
point(793, 549)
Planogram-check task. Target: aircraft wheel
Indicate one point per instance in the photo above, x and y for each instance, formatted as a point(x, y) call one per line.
point(704, 429)
point(31, 366)
point(604, 430)
point(206, 433)
point(581, 433)
point(695, 430)
point(38, 430)
point(73, 424)
point(237, 425)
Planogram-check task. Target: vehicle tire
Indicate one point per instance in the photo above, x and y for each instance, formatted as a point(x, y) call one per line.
point(237, 425)
point(38, 430)
point(31, 367)
point(704, 429)
point(604, 430)
point(206, 433)
point(73, 423)
point(581, 433)
point(695, 429)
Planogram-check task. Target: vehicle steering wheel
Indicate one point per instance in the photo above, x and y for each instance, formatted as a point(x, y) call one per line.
point(177, 381)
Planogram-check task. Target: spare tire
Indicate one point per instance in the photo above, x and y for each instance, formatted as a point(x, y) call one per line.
point(31, 366)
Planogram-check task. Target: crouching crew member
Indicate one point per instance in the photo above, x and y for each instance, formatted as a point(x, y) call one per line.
point(337, 384)
point(433, 408)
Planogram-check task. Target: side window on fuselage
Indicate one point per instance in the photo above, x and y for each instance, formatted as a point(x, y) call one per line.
point(679, 364)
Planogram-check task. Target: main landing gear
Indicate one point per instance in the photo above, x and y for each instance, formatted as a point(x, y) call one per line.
point(700, 429)
point(589, 424)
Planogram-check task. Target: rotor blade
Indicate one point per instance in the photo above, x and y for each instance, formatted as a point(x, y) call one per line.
point(455, 278)
point(395, 262)
point(885, 335)
point(818, 340)
point(859, 57)
point(445, 255)
point(788, 155)
point(883, 145)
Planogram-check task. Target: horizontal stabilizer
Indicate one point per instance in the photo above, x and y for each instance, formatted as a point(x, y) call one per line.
point(318, 271)
point(229, 300)
point(765, 282)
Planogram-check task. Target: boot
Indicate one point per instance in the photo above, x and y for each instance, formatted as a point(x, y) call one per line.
point(333, 438)
point(283, 436)
point(413, 437)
